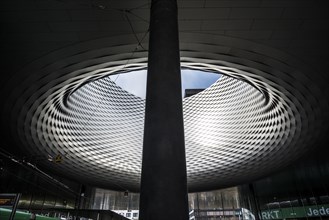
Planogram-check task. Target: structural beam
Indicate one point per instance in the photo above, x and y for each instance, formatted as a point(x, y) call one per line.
point(163, 180)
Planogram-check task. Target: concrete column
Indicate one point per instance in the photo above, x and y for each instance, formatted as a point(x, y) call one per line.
point(163, 182)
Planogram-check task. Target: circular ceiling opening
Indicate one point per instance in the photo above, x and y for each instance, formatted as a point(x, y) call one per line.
point(193, 81)
point(234, 130)
point(250, 122)
point(230, 126)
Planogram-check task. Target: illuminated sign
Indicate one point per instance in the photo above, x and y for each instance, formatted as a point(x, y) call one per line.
point(295, 212)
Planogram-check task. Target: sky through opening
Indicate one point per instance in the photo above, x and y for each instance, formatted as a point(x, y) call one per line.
point(135, 82)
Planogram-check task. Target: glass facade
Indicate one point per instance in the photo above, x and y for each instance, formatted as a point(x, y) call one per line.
point(112, 200)
point(297, 192)
point(202, 205)
point(219, 199)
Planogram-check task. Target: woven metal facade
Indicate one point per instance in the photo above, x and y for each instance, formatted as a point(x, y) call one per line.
point(269, 108)
point(245, 125)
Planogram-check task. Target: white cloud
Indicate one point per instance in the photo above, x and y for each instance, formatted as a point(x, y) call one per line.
point(133, 82)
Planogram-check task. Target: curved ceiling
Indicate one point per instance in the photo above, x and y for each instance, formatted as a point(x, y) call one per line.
point(269, 109)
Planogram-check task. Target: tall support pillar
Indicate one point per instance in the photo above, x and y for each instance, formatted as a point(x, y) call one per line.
point(163, 181)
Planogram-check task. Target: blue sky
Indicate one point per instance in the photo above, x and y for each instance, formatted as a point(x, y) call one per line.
point(135, 81)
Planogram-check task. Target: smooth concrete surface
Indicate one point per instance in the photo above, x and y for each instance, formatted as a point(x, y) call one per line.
point(163, 180)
